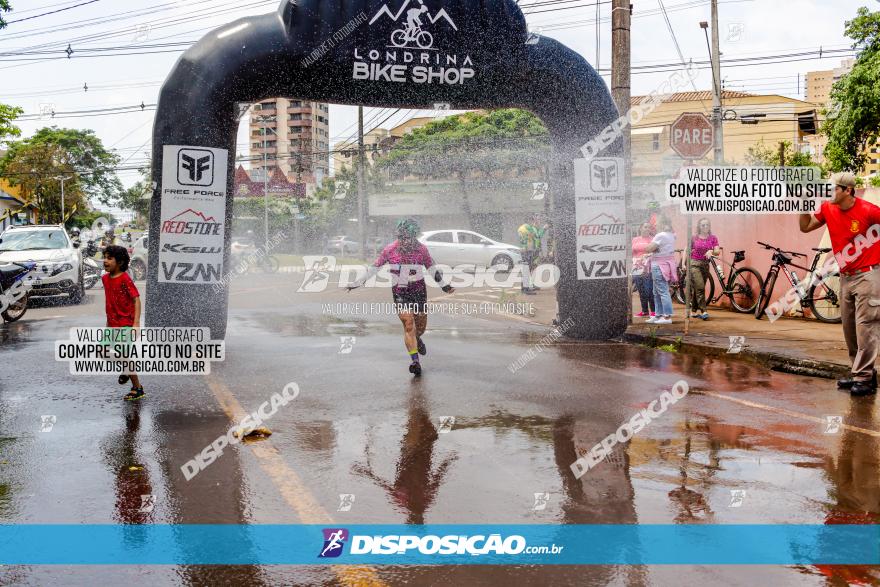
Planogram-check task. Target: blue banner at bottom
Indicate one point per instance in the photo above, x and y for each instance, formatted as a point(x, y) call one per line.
point(484, 544)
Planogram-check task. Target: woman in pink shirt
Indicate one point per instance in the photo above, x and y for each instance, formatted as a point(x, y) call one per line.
point(704, 245)
point(641, 274)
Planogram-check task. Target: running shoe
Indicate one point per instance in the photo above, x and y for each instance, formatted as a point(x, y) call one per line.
point(415, 369)
point(423, 350)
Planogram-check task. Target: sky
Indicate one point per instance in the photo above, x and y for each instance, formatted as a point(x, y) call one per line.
point(748, 29)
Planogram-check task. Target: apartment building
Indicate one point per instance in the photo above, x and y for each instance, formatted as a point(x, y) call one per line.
point(294, 136)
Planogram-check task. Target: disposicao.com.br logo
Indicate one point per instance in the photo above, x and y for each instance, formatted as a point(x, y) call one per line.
point(430, 544)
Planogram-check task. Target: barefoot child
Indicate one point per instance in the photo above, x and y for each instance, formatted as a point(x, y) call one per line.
point(123, 304)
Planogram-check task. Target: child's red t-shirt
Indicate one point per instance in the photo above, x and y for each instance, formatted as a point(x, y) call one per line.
point(120, 293)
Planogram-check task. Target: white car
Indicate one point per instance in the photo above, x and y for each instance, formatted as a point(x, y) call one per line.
point(137, 266)
point(465, 247)
point(59, 262)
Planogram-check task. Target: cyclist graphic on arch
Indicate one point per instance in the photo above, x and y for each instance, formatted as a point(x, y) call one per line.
point(413, 31)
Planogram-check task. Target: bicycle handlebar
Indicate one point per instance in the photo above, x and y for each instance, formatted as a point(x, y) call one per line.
point(778, 250)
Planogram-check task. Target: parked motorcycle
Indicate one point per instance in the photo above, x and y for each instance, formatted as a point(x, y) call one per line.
point(91, 268)
point(10, 276)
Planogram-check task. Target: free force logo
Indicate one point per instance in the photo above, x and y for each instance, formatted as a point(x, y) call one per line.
point(334, 540)
point(195, 167)
point(604, 175)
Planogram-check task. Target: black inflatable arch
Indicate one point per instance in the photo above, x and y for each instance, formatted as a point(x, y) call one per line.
point(480, 55)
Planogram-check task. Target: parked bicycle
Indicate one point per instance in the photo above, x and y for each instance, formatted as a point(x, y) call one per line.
point(823, 298)
point(741, 286)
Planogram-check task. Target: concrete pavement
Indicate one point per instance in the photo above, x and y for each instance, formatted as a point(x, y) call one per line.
point(363, 426)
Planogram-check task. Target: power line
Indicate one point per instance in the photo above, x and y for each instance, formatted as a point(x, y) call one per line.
point(52, 12)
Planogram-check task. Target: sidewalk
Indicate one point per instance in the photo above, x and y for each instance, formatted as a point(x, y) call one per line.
point(794, 345)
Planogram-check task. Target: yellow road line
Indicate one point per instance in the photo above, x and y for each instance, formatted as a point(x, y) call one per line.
point(291, 486)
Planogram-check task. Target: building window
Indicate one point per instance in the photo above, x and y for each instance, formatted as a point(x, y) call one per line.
point(296, 104)
point(655, 143)
point(296, 116)
point(296, 129)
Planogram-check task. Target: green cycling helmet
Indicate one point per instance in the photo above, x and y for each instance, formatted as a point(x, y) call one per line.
point(408, 227)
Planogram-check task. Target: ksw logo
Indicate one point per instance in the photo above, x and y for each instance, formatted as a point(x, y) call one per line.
point(179, 248)
point(412, 35)
point(604, 175)
point(195, 167)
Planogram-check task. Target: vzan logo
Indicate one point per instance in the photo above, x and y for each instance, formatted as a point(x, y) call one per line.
point(411, 55)
point(195, 167)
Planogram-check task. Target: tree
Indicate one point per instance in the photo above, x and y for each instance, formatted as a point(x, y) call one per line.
point(35, 162)
point(4, 7)
point(37, 168)
point(853, 119)
point(471, 145)
point(7, 115)
point(875, 181)
point(760, 154)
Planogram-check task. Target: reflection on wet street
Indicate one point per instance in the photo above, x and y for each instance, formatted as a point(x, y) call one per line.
point(469, 442)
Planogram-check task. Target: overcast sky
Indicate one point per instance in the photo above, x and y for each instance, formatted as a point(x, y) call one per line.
point(749, 28)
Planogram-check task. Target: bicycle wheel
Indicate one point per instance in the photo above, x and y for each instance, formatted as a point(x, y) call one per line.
point(424, 40)
point(398, 38)
point(270, 264)
point(824, 300)
point(745, 287)
point(764, 296)
point(678, 290)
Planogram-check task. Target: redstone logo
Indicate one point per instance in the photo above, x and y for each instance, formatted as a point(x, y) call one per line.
point(602, 225)
point(191, 222)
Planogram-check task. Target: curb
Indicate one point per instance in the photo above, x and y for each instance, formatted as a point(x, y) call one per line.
point(773, 361)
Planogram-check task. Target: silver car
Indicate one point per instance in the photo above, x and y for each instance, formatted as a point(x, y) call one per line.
point(465, 247)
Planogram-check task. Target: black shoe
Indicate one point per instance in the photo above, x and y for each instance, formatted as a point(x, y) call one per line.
point(848, 382)
point(529, 292)
point(423, 350)
point(415, 369)
point(860, 388)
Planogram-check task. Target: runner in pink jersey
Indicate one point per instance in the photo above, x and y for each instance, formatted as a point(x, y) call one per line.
point(408, 259)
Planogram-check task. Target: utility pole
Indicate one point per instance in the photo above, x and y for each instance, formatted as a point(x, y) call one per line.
point(716, 82)
point(264, 120)
point(362, 229)
point(621, 12)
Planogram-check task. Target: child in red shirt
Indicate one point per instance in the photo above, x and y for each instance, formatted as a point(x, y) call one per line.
point(123, 305)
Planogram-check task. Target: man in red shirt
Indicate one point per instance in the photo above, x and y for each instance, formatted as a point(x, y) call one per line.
point(853, 226)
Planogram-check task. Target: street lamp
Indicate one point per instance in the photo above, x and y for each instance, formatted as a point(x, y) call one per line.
point(263, 120)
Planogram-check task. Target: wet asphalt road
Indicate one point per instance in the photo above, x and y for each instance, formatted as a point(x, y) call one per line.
point(362, 425)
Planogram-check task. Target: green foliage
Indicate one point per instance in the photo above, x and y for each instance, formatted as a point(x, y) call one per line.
point(85, 218)
point(4, 7)
point(7, 115)
point(35, 162)
point(874, 181)
point(762, 155)
point(471, 143)
point(853, 119)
